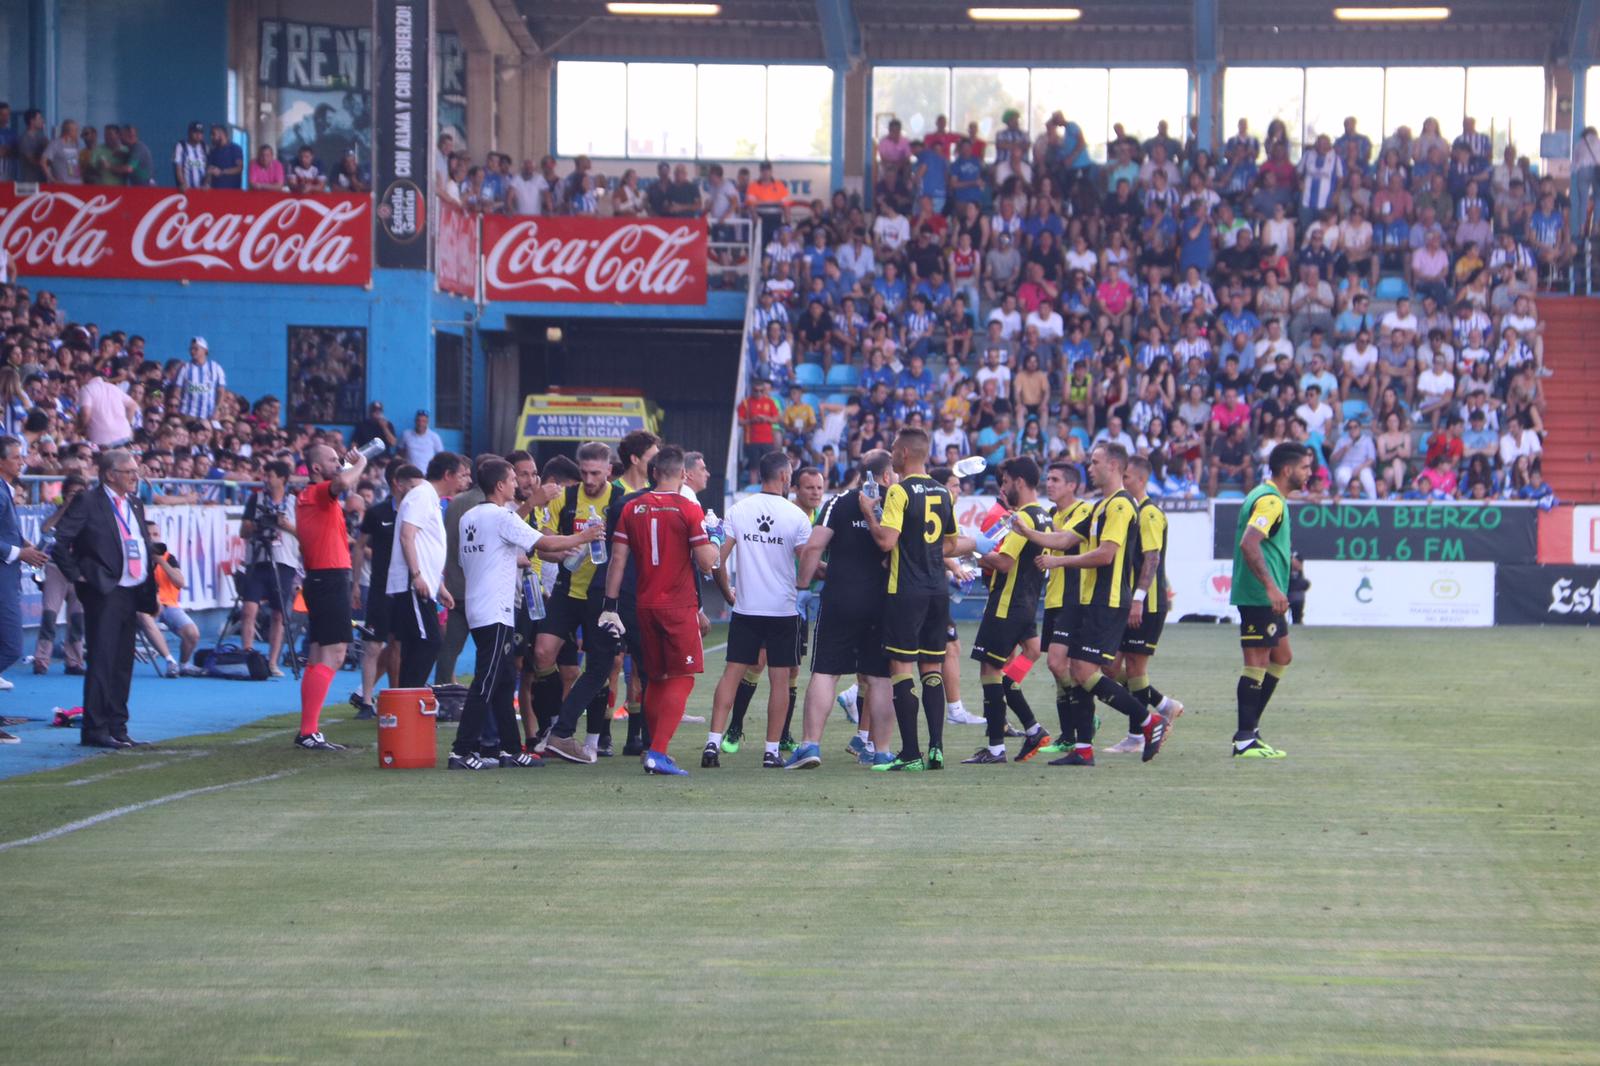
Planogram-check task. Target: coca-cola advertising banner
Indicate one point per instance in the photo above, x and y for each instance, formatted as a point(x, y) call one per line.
point(89, 231)
point(594, 260)
point(455, 260)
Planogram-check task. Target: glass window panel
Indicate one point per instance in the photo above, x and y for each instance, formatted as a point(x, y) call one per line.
point(591, 109)
point(1508, 103)
point(1261, 94)
point(982, 95)
point(733, 111)
point(1081, 95)
point(661, 110)
point(1412, 95)
point(1334, 94)
point(799, 112)
point(914, 95)
point(1143, 96)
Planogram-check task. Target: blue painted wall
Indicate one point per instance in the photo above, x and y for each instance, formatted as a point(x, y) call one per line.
point(246, 327)
point(155, 63)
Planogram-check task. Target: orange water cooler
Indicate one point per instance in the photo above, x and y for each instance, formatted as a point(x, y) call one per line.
point(408, 729)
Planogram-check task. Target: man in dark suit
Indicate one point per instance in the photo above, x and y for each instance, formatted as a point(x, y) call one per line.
point(14, 551)
point(102, 548)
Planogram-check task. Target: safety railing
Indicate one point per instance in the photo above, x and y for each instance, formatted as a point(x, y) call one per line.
point(46, 488)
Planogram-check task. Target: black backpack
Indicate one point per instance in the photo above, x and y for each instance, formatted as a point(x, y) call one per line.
point(233, 663)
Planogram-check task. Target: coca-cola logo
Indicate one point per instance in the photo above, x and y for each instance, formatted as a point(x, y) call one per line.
point(640, 258)
point(201, 234)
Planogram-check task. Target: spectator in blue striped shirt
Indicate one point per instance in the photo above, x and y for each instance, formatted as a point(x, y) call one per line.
point(1321, 171)
point(200, 382)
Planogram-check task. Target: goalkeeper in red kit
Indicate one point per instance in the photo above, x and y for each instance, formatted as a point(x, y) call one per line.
point(660, 530)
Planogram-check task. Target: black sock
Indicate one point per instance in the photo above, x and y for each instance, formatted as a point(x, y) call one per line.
point(905, 713)
point(741, 703)
point(1082, 715)
point(1269, 685)
point(599, 712)
point(994, 710)
point(547, 698)
point(1064, 711)
point(1018, 703)
point(788, 719)
point(861, 702)
point(933, 707)
point(1153, 697)
point(1249, 691)
point(1120, 699)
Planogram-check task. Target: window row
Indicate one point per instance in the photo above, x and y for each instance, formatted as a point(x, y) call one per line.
point(694, 111)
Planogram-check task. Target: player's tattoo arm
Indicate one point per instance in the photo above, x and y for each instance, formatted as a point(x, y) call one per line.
point(1147, 569)
point(1250, 548)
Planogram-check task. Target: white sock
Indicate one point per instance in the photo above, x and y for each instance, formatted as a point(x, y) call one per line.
point(1240, 745)
point(865, 737)
point(1035, 729)
point(591, 740)
point(772, 747)
point(713, 740)
point(871, 749)
point(997, 749)
point(956, 707)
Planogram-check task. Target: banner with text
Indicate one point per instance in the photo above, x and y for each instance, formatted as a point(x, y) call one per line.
point(1399, 594)
point(1403, 533)
point(401, 176)
point(549, 416)
point(88, 231)
point(1547, 595)
point(594, 260)
point(455, 260)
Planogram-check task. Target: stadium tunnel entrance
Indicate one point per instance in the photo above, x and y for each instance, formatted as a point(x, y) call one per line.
point(686, 369)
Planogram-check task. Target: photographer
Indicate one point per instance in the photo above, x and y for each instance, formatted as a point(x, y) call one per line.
point(273, 560)
point(169, 583)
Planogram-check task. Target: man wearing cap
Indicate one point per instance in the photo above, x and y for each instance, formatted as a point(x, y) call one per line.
point(200, 382)
point(189, 158)
point(420, 443)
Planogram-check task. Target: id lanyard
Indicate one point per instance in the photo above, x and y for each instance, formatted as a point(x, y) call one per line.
point(132, 546)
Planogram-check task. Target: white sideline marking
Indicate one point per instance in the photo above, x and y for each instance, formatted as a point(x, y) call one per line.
point(135, 808)
point(718, 647)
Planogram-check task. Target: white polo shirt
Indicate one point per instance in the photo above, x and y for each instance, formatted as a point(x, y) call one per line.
point(767, 533)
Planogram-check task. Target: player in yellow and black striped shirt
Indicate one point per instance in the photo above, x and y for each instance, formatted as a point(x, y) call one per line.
point(1147, 614)
point(1104, 596)
point(1008, 616)
point(1061, 484)
point(918, 529)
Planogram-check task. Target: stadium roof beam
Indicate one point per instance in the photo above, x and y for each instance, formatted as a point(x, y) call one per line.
point(841, 33)
point(1206, 67)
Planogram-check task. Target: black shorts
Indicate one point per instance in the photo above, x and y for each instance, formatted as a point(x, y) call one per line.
point(1143, 638)
point(563, 616)
point(375, 619)
point(1098, 635)
point(998, 638)
point(255, 584)
point(777, 635)
point(1059, 622)
point(412, 617)
point(1261, 627)
point(849, 640)
point(327, 594)
point(916, 626)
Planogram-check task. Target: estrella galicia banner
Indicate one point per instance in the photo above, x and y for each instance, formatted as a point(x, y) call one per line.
point(1547, 595)
point(1399, 533)
point(403, 134)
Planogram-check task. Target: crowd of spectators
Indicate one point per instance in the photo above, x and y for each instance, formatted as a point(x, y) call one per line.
point(1376, 301)
point(114, 154)
point(70, 389)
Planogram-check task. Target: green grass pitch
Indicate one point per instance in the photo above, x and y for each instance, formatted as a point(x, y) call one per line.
point(1417, 882)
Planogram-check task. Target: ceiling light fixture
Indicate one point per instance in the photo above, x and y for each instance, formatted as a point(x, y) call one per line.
point(665, 10)
point(1024, 14)
point(1391, 14)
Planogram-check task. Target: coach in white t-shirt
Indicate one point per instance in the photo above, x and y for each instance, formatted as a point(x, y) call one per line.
point(765, 533)
point(494, 538)
point(416, 569)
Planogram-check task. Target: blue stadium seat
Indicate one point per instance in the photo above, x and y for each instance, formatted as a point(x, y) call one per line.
point(811, 398)
point(808, 375)
point(1358, 410)
point(840, 398)
point(1391, 288)
point(1228, 494)
point(844, 375)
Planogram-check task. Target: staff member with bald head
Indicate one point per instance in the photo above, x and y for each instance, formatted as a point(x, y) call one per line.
point(102, 548)
point(325, 550)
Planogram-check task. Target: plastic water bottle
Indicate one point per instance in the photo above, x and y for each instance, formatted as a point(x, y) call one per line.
point(966, 580)
point(714, 527)
point(597, 547)
point(872, 490)
point(533, 597)
point(372, 449)
point(971, 466)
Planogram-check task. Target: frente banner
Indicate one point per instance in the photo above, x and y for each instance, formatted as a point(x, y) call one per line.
point(403, 132)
